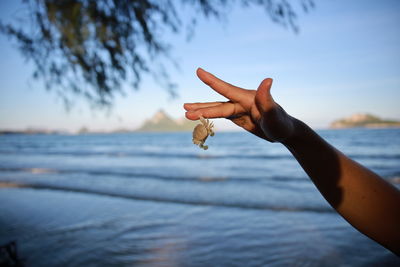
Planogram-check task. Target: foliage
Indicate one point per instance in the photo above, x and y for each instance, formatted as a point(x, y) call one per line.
point(89, 48)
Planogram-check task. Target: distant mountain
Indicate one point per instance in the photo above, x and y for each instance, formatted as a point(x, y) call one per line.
point(161, 122)
point(32, 131)
point(364, 120)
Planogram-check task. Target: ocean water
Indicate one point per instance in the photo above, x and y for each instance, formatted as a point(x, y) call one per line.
point(157, 200)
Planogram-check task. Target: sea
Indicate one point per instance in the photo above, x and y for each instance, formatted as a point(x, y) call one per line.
point(155, 199)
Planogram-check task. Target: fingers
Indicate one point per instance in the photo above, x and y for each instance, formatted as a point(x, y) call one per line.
point(228, 90)
point(222, 110)
point(263, 99)
point(190, 106)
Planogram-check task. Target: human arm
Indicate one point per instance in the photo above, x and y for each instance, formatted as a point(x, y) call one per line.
point(364, 199)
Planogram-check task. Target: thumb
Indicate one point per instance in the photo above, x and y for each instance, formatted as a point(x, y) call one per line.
point(263, 99)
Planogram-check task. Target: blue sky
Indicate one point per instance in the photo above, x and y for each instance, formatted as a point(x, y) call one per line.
point(346, 59)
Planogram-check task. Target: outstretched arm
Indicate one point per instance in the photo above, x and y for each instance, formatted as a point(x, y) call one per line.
point(364, 199)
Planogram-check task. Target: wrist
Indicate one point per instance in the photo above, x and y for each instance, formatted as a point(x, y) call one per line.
point(299, 130)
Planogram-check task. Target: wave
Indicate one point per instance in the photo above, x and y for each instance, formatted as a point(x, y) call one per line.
point(165, 199)
point(150, 155)
point(156, 176)
point(374, 156)
point(183, 155)
point(129, 174)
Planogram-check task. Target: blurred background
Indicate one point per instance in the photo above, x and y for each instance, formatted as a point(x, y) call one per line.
point(344, 59)
point(97, 165)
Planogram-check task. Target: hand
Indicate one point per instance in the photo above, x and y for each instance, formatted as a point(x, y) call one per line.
point(253, 110)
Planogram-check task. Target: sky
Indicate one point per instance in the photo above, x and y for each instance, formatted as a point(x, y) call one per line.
point(345, 60)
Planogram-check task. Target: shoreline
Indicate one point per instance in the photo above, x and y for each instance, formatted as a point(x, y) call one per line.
point(22, 132)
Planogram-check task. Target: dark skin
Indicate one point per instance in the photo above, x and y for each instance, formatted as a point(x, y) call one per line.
point(364, 199)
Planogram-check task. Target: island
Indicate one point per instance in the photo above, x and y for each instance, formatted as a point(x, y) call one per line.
point(364, 120)
point(161, 122)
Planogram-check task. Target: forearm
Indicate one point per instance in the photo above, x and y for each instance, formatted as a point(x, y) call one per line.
point(364, 199)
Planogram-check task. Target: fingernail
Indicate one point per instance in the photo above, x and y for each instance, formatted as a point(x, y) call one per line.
point(202, 69)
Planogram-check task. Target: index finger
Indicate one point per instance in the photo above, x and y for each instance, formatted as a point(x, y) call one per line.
point(228, 90)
